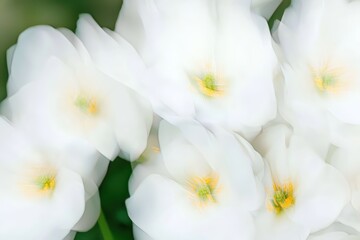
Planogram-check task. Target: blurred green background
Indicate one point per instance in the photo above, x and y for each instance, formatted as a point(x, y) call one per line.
point(16, 16)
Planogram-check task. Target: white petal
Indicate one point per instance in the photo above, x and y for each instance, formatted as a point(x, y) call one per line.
point(70, 236)
point(132, 122)
point(265, 7)
point(237, 165)
point(79, 46)
point(182, 159)
point(112, 54)
point(275, 152)
point(269, 225)
point(68, 198)
point(153, 164)
point(330, 236)
point(322, 194)
point(92, 209)
point(140, 234)
point(350, 217)
point(129, 23)
point(9, 57)
point(35, 46)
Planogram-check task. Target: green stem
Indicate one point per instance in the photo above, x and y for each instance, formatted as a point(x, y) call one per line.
point(104, 227)
point(279, 12)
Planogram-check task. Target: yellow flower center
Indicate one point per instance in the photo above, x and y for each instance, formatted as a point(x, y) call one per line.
point(204, 188)
point(39, 181)
point(46, 183)
point(283, 198)
point(86, 105)
point(210, 85)
point(329, 79)
point(326, 82)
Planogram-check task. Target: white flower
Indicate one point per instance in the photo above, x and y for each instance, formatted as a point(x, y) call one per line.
point(322, 78)
point(56, 91)
point(211, 185)
point(208, 60)
point(304, 193)
point(43, 196)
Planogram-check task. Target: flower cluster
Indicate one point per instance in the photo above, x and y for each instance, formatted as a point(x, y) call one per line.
point(234, 131)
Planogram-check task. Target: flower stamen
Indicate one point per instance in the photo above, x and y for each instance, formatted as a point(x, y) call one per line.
point(204, 189)
point(283, 198)
point(326, 82)
point(329, 79)
point(39, 181)
point(86, 105)
point(210, 85)
point(46, 183)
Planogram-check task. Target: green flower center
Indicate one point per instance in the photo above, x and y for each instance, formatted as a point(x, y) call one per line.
point(205, 192)
point(210, 85)
point(46, 183)
point(283, 198)
point(209, 82)
point(326, 82)
point(204, 188)
point(86, 105)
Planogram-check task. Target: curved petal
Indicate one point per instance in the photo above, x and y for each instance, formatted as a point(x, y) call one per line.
point(181, 158)
point(350, 217)
point(132, 121)
point(153, 164)
point(111, 54)
point(69, 184)
point(9, 57)
point(92, 209)
point(35, 47)
point(164, 210)
point(275, 152)
point(327, 198)
point(237, 166)
point(140, 234)
point(265, 7)
point(278, 227)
